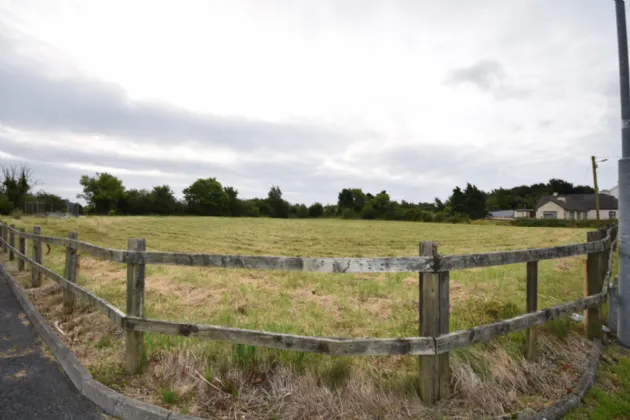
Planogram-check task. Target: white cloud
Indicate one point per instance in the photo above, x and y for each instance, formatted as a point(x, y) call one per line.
point(407, 96)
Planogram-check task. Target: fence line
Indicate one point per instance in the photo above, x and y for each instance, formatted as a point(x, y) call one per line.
point(422, 264)
point(433, 347)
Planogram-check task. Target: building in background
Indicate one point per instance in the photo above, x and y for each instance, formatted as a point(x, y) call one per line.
point(577, 207)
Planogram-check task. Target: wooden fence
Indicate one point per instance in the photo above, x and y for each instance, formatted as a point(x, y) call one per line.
point(432, 346)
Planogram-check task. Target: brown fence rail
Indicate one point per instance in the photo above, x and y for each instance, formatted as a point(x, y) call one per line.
point(433, 346)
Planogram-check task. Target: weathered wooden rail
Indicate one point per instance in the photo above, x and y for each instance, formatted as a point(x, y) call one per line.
point(432, 346)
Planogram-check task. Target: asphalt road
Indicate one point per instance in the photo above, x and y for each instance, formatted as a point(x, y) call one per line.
point(32, 384)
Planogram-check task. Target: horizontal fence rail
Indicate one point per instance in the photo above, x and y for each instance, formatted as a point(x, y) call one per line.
point(432, 267)
point(328, 265)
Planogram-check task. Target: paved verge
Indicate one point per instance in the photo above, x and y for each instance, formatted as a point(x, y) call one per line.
point(32, 384)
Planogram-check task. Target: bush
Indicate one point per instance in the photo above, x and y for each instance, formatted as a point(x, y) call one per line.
point(439, 217)
point(562, 223)
point(316, 210)
point(369, 213)
point(302, 211)
point(6, 207)
point(17, 214)
point(349, 214)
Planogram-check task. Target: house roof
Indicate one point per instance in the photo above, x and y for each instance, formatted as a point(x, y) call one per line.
point(502, 213)
point(580, 202)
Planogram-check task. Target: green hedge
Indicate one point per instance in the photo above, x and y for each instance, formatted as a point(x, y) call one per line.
point(561, 223)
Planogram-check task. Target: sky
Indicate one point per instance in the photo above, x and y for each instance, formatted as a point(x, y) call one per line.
point(412, 97)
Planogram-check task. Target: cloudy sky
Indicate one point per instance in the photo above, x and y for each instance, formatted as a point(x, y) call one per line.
point(409, 96)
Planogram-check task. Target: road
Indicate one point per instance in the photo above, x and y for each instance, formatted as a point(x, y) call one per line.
point(32, 384)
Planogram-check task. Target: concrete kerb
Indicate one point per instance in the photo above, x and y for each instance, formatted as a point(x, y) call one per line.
point(108, 400)
point(118, 405)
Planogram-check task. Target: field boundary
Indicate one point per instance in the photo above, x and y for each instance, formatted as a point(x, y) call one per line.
point(433, 346)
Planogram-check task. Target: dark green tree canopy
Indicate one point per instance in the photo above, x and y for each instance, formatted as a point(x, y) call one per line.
point(103, 192)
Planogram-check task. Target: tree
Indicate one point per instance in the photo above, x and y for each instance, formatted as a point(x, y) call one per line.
point(16, 184)
point(163, 200)
point(316, 210)
point(103, 192)
point(302, 211)
point(234, 205)
point(206, 197)
point(47, 201)
point(475, 202)
point(439, 205)
point(135, 202)
point(456, 203)
point(353, 199)
point(279, 208)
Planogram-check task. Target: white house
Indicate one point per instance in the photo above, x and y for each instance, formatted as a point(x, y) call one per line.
point(577, 207)
point(614, 191)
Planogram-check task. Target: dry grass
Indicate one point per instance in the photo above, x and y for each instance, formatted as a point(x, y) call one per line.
point(225, 381)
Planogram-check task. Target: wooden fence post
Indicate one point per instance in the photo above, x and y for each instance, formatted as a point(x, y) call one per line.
point(134, 350)
point(532, 306)
point(593, 285)
point(22, 249)
point(36, 275)
point(11, 243)
point(4, 237)
point(69, 300)
point(433, 311)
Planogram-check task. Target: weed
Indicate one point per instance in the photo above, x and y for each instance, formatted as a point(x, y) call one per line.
point(337, 373)
point(169, 396)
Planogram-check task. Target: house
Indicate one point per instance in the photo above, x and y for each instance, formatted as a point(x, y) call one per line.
point(577, 207)
point(502, 214)
point(513, 214)
point(524, 213)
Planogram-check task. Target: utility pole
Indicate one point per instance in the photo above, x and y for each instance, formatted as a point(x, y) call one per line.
point(623, 295)
point(596, 189)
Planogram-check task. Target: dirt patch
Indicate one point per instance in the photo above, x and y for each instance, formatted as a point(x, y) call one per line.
point(325, 301)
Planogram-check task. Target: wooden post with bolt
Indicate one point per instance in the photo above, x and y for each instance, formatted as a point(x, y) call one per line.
point(69, 300)
point(22, 249)
point(134, 350)
point(593, 285)
point(11, 243)
point(433, 311)
point(532, 306)
point(36, 275)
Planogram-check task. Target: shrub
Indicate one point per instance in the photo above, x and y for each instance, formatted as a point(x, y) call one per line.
point(316, 210)
point(349, 214)
point(439, 217)
point(561, 223)
point(302, 211)
point(6, 207)
point(17, 214)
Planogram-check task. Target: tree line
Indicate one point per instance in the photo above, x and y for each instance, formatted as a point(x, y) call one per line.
point(105, 194)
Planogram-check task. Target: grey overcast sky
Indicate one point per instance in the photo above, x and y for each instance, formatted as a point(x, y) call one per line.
point(413, 97)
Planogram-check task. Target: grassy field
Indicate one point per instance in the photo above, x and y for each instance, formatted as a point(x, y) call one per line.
point(493, 378)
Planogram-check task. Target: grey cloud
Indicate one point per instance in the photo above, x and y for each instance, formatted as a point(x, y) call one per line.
point(485, 74)
point(30, 99)
point(488, 76)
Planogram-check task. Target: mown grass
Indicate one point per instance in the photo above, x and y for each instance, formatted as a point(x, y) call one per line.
point(351, 305)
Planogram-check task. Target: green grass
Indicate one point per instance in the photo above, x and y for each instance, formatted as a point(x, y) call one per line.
point(377, 305)
point(351, 305)
point(610, 396)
